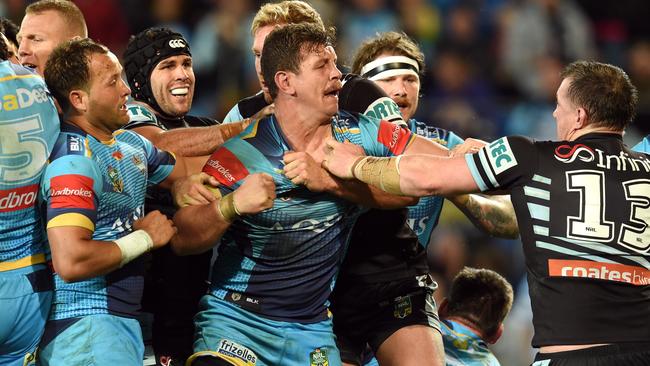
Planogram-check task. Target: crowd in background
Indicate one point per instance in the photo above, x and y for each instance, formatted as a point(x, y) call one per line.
point(492, 69)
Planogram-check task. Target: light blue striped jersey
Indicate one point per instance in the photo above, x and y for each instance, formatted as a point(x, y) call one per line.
point(101, 186)
point(463, 347)
point(29, 126)
point(282, 263)
point(423, 217)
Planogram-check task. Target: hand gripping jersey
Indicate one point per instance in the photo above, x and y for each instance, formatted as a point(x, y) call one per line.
point(101, 186)
point(582, 208)
point(29, 126)
point(463, 347)
point(282, 263)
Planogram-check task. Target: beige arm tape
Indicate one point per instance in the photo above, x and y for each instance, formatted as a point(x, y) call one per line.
point(134, 245)
point(380, 172)
point(228, 209)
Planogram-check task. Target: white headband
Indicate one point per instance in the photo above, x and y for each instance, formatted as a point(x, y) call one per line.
point(385, 67)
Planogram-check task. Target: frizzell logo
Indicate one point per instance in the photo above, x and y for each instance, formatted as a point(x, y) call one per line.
point(18, 198)
point(72, 191)
point(394, 137)
point(568, 154)
point(226, 167)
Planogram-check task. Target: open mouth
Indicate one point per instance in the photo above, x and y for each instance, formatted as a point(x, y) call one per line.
point(27, 64)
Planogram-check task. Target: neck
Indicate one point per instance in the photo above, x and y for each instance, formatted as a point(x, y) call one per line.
point(100, 133)
point(596, 129)
point(303, 131)
point(473, 327)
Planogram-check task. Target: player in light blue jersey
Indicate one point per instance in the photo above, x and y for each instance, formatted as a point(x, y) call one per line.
point(276, 269)
point(472, 316)
point(29, 126)
point(94, 190)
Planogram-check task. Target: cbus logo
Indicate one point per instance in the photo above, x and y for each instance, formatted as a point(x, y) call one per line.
point(23, 98)
point(18, 199)
point(568, 154)
point(176, 43)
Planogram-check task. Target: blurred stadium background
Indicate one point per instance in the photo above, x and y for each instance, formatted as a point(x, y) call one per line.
point(492, 69)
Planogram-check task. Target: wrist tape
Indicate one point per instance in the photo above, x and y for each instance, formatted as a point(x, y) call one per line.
point(380, 172)
point(227, 207)
point(134, 245)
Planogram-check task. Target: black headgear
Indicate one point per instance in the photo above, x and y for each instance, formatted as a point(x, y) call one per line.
point(144, 51)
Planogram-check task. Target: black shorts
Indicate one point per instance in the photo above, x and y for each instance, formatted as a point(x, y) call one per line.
point(368, 313)
point(621, 354)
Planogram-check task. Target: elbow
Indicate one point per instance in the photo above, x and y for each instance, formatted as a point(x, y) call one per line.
point(69, 273)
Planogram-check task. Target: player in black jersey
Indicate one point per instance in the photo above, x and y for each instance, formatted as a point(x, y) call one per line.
point(158, 66)
point(582, 207)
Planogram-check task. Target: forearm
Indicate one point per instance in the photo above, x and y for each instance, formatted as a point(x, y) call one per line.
point(367, 195)
point(493, 214)
point(85, 259)
point(197, 141)
point(199, 228)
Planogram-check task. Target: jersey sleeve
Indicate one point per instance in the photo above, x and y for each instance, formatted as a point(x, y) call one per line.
point(140, 116)
point(233, 115)
point(383, 138)
point(160, 163)
point(453, 140)
point(643, 145)
point(503, 164)
point(71, 188)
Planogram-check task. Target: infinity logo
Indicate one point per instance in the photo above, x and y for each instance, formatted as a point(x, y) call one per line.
point(176, 43)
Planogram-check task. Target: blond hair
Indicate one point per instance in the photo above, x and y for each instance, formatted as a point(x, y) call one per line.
point(286, 12)
point(71, 14)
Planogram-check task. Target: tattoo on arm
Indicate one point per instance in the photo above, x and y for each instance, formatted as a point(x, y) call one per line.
point(492, 214)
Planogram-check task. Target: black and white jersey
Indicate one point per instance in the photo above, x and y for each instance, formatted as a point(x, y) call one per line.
point(583, 209)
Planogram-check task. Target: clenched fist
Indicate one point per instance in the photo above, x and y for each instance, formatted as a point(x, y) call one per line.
point(255, 195)
point(158, 226)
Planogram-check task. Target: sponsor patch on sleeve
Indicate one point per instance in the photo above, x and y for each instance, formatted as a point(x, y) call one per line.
point(394, 137)
point(500, 155)
point(226, 167)
point(72, 191)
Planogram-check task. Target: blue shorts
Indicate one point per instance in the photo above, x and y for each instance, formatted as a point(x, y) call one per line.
point(229, 332)
point(25, 299)
point(100, 339)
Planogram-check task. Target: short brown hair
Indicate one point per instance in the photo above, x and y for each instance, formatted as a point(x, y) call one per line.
point(604, 91)
point(481, 296)
point(68, 68)
point(70, 12)
point(286, 12)
point(389, 42)
point(286, 47)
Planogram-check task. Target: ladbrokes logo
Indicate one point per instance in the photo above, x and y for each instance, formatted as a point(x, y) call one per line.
point(18, 198)
point(638, 276)
point(394, 137)
point(23, 98)
point(226, 167)
point(568, 154)
point(72, 191)
point(236, 353)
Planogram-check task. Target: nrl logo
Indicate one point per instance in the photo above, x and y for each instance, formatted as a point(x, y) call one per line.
point(568, 154)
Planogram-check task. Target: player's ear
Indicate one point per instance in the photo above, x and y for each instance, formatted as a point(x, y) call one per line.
point(494, 337)
point(284, 82)
point(78, 100)
point(581, 117)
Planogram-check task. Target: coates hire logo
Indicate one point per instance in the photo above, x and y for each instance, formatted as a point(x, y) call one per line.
point(393, 137)
point(18, 198)
point(225, 166)
point(603, 271)
point(71, 191)
point(568, 154)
